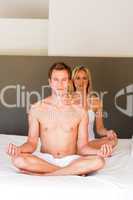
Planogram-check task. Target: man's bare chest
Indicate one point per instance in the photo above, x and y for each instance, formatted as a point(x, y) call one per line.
point(53, 117)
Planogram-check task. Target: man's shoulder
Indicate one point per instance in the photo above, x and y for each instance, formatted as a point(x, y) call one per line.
point(46, 101)
point(40, 104)
point(36, 105)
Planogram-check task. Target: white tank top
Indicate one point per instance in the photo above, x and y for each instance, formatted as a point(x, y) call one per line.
point(91, 115)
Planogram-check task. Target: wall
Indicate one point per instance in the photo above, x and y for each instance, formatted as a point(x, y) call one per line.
point(24, 9)
point(23, 36)
point(112, 76)
point(90, 28)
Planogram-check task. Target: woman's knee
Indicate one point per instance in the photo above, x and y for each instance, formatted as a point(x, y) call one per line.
point(113, 142)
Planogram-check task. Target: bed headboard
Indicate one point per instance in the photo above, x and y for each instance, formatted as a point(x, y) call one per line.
point(112, 78)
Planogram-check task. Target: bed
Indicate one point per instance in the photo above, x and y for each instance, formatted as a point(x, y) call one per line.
point(115, 181)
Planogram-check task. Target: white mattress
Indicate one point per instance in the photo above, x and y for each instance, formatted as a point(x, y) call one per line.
point(115, 181)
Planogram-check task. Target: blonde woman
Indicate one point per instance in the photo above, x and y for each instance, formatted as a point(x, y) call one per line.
point(82, 84)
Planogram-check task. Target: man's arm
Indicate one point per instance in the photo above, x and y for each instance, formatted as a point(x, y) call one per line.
point(83, 147)
point(33, 135)
point(32, 140)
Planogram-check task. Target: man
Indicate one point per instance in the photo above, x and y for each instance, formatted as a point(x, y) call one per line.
point(62, 129)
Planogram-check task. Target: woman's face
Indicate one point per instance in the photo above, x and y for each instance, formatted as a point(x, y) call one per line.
point(81, 80)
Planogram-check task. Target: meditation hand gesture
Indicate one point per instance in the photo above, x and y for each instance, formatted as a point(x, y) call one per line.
point(110, 134)
point(95, 104)
point(13, 150)
point(105, 151)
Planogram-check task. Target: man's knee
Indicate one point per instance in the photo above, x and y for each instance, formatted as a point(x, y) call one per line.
point(99, 162)
point(19, 162)
point(96, 163)
point(92, 163)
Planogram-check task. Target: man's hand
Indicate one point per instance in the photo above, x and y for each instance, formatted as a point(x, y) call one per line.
point(105, 151)
point(13, 150)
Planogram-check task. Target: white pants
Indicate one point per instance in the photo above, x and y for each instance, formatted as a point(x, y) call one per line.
point(61, 162)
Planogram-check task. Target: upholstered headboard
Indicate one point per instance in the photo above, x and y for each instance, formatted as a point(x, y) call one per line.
point(112, 78)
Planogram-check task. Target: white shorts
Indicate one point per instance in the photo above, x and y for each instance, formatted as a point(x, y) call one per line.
point(61, 162)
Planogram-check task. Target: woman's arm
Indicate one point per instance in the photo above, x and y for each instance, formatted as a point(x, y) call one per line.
point(100, 129)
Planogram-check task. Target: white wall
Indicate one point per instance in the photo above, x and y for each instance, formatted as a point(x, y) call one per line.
point(23, 36)
point(24, 8)
point(91, 28)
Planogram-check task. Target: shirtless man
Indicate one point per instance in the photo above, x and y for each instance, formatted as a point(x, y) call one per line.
point(63, 135)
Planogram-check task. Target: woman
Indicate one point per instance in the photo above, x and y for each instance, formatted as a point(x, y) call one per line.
point(81, 79)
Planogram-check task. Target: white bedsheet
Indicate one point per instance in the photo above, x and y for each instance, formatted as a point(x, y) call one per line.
point(115, 181)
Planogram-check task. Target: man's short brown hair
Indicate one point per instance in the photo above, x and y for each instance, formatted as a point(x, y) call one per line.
point(59, 66)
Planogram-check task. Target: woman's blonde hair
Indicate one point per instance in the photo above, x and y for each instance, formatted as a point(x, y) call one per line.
point(75, 71)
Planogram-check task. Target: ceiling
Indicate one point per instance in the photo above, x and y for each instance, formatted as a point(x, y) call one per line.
point(24, 8)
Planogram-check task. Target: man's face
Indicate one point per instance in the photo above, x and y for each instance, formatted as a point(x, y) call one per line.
point(59, 81)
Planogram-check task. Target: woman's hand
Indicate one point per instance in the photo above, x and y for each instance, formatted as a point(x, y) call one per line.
point(76, 98)
point(111, 135)
point(95, 104)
